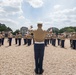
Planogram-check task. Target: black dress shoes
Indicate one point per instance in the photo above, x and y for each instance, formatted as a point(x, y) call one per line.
point(41, 72)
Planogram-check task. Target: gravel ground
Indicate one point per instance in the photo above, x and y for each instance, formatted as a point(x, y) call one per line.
point(19, 60)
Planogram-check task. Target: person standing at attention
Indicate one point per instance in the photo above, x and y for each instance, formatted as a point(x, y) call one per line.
point(10, 36)
point(19, 38)
point(16, 38)
point(3, 36)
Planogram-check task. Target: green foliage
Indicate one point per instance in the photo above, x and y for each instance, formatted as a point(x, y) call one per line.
point(54, 30)
point(3, 27)
point(67, 29)
point(9, 29)
point(14, 33)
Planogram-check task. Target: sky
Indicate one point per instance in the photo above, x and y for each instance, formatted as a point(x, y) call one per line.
point(24, 13)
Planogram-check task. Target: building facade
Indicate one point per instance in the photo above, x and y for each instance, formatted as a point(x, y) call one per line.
point(23, 30)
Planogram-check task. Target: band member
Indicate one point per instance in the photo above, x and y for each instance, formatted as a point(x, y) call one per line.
point(16, 38)
point(3, 36)
point(62, 40)
point(25, 39)
point(32, 40)
point(58, 38)
point(29, 37)
point(71, 40)
point(0, 39)
point(74, 41)
point(39, 46)
point(46, 39)
point(10, 36)
point(19, 38)
point(50, 39)
point(54, 39)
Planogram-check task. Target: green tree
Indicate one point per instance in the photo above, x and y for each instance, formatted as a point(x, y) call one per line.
point(67, 29)
point(16, 31)
point(54, 30)
point(9, 29)
point(3, 27)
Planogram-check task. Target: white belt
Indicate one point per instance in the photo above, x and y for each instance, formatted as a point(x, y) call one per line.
point(39, 42)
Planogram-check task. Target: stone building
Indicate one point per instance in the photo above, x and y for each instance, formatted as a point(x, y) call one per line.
point(23, 30)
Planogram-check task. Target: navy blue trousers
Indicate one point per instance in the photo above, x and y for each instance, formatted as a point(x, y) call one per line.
point(10, 41)
point(25, 41)
point(45, 42)
point(39, 54)
point(74, 44)
point(62, 43)
point(19, 39)
point(29, 42)
point(58, 41)
point(53, 42)
point(15, 40)
point(2, 41)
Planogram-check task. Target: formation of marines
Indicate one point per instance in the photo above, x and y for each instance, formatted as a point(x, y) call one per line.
point(50, 38)
point(41, 39)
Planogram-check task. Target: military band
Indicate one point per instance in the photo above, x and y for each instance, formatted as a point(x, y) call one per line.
point(50, 38)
